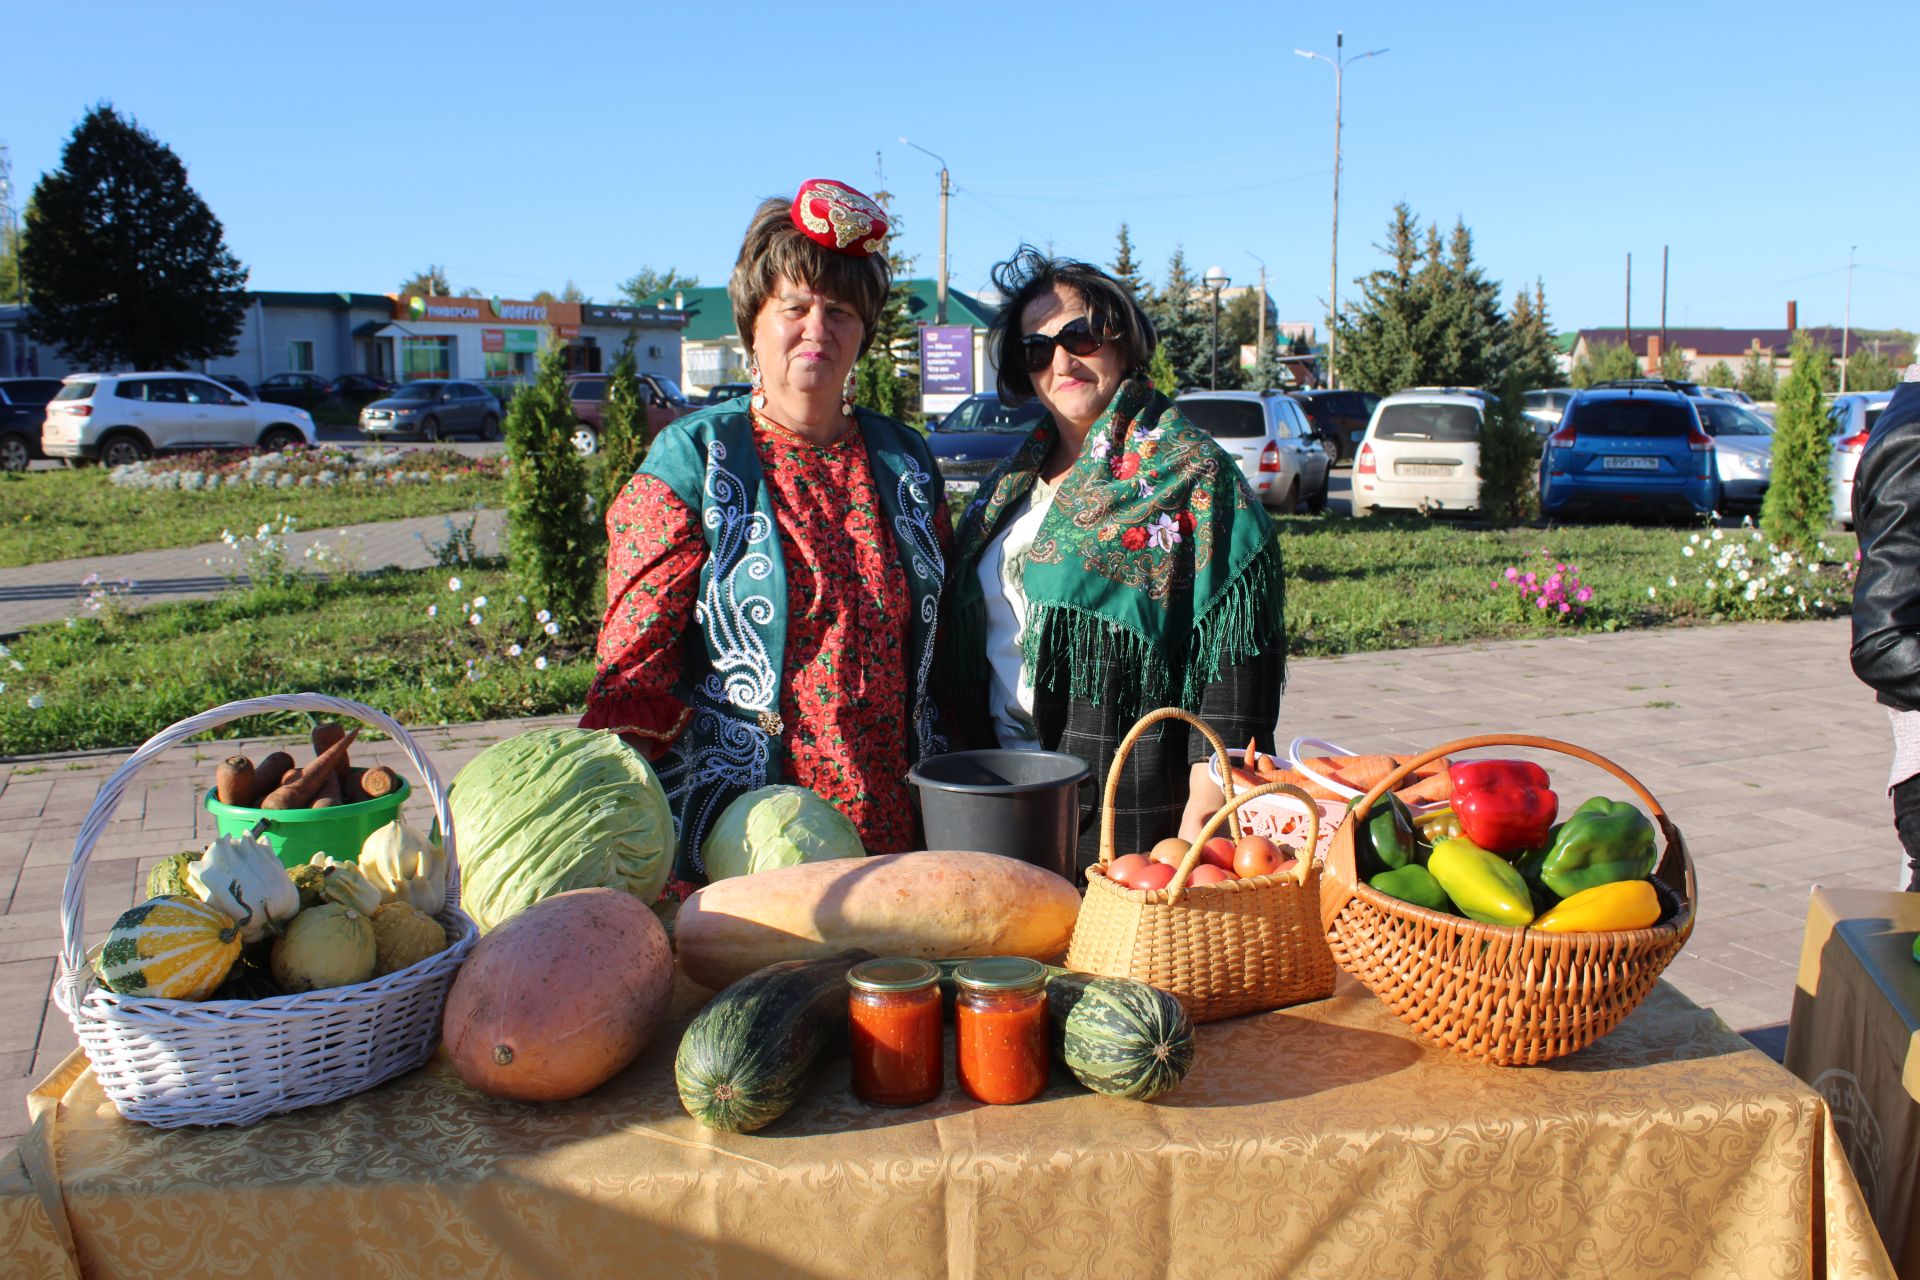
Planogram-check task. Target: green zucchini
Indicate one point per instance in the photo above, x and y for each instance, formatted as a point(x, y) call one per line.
point(745, 1057)
point(1119, 1037)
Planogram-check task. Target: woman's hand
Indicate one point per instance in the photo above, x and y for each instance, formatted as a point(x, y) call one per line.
point(1204, 799)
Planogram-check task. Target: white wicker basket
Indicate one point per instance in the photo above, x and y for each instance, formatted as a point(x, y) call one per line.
point(179, 1062)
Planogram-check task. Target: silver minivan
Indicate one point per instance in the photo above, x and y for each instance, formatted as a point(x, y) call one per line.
point(1269, 436)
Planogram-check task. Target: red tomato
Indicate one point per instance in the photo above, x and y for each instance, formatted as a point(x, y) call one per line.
point(1207, 873)
point(1158, 875)
point(1255, 856)
point(1218, 852)
point(1123, 868)
point(1169, 851)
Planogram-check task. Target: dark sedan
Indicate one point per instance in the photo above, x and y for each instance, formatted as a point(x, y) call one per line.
point(433, 410)
point(304, 390)
point(969, 443)
point(23, 407)
point(1339, 418)
point(358, 388)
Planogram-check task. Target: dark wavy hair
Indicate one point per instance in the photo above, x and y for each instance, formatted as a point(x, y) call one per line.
point(1112, 312)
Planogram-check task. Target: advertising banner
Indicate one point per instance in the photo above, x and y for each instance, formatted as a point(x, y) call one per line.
point(946, 360)
point(493, 339)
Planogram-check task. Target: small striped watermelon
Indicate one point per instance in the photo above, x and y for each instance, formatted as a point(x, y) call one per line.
point(173, 948)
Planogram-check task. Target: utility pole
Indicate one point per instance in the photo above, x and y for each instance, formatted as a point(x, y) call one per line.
point(1339, 63)
point(946, 189)
point(1215, 280)
point(10, 224)
point(1846, 324)
point(1260, 350)
point(1663, 302)
point(1629, 316)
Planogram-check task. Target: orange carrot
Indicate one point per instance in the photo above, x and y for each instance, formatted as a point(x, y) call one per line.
point(1438, 787)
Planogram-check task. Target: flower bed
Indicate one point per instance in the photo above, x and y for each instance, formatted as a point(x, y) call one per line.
point(322, 467)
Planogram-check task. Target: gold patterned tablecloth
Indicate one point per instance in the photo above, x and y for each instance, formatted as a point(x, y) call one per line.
point(1317, 1141)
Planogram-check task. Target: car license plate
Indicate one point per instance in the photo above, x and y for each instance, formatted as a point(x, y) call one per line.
point(1629, 462)
point(1422, 469)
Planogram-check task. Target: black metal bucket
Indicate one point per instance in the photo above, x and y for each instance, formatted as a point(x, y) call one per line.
point(1021, 804)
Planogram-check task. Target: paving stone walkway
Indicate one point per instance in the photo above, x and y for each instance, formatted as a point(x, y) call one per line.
point(1766, 752)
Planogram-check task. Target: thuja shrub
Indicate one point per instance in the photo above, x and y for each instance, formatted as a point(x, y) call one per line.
point(552, 549)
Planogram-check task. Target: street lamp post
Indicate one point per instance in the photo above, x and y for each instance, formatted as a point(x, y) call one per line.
point(1846, 325)
point(1216, 280)
point(1339, 63)
point(946, 189)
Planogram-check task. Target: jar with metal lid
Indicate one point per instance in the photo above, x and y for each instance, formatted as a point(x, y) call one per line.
point(893, 1020)
point(1000, 1029)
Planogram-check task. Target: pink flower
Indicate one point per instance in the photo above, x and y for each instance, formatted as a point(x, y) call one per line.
point(1512, 573)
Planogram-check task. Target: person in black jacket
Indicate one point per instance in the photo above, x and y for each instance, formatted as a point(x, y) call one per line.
point(1886, 597)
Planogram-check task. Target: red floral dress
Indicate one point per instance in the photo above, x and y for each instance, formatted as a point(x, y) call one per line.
point(843, 694)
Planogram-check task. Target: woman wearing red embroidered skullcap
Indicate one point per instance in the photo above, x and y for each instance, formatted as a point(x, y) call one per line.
point(774, 569)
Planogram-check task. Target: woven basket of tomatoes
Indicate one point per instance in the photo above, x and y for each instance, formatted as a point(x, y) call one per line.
point(1227, 927)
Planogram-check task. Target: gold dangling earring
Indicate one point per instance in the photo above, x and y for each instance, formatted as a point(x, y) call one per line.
point(847, 398)
point(759, 390)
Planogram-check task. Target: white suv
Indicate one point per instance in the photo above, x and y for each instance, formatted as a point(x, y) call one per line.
point(1267, 433)
point(119, 418)
point(1421, 452)
point(1850, 417)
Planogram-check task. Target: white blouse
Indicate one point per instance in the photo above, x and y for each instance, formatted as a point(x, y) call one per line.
point(1002, 575)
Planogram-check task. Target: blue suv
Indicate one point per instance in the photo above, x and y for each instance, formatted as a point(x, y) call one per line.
point(1633, 447)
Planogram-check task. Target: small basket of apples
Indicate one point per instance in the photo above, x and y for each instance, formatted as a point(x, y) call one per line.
point(1225, 926)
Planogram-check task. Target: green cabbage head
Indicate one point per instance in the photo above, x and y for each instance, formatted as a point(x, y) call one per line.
point(777, 826)
point(554, 810)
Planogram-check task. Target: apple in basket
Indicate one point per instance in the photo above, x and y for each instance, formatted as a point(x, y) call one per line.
point(1206, 873)
point(1171, 851)
point(1218, 852)
point(1256, 856)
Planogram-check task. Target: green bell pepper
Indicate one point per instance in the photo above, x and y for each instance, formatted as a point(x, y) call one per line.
point(1483, 885)
point(1603, 841)
point(1413, 883)
point(1391, 837)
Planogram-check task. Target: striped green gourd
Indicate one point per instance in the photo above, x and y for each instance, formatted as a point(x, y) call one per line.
point(173, 948)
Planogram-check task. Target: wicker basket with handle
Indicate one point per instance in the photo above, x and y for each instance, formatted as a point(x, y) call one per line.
point(1223, 949)
point(1497, 993)
point(178, 1062)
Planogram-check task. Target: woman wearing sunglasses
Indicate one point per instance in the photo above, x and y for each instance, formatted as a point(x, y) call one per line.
point(1115, 563)
point(774, 570)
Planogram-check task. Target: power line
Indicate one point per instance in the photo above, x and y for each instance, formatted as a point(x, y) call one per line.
point(1136, 197)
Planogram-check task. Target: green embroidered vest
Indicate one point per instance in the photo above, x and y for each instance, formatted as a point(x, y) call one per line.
point(731, 673)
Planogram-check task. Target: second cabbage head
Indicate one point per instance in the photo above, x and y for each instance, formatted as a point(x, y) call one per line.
point(777, 826)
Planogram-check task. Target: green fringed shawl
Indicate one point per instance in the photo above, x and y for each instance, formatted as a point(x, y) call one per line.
point(1155, 563)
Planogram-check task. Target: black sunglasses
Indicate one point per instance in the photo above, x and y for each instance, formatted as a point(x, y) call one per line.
point(1077, 336)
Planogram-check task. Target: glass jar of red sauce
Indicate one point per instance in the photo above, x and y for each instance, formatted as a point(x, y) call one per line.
point(1000, 1029)
point(894, 1019)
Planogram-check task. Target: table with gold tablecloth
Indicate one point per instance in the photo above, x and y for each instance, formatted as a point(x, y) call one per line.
point(1317, 1141)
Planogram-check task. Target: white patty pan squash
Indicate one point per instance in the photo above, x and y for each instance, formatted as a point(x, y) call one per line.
point(406, 867)
point(345, 883)
point(243, 878)
point(328, 946)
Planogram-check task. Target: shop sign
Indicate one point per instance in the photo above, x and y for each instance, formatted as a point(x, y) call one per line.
point(493, 339)
point(600, 313)
point(534, 311)
point(946, 360)
point(567, 330)
point(442, 309)
point(523, 339)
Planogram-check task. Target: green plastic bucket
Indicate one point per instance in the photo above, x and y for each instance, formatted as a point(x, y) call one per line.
point(297, 834)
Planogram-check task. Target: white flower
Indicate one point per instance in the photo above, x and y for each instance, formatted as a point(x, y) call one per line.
point(542, 616)
point(539, 664)
point(433, 611)
point(36, 702)
point(1687, 551)
point(1650, 593)
point(521, 599)
point(16, 664)
point(1102, 447)
point(1672, 581)
point(1716, 534)
point(453, 584)
point(552, 628)
point(5, 652)
point(475, 619)
point(1695, 539)
point(513, 650)
point(1165, 533)
point(479, 602)
point(3, 686)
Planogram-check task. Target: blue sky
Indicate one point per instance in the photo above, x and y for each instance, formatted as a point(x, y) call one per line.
point(346, 145)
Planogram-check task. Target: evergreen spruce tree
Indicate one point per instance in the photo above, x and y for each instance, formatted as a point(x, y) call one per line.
point(1509, 458)
point(887, 377)
point(1757, 377)
point(1126, 268)
point(1799, 503)
point(1869, 370)
point(1379, 334)
point(1180, 313)
point(623, 429)
point(553, 538)
point(1530, 359)
point(125, 263)
point(1720, 375)
point(1604, 361)
point(1466, 332)
point(1674, 364)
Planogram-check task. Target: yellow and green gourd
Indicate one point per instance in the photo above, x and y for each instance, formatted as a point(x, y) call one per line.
point(404, 935)
point(169, 878)
point(173, 948)
point(329, 946)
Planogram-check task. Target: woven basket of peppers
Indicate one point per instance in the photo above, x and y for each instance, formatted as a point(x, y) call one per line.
point(1517, 939)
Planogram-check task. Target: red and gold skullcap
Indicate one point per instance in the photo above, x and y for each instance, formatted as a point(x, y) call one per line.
point(835, 215)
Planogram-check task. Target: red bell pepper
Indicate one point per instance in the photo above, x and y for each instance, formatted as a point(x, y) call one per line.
point(1504, 806)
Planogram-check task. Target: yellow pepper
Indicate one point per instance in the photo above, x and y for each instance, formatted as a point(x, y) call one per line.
point(1623, 904)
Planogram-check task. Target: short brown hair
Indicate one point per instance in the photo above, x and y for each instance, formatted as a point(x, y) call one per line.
point(774, 247)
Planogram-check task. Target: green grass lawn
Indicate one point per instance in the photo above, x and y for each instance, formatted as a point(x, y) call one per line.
point(1352, 585)
point(62, 515)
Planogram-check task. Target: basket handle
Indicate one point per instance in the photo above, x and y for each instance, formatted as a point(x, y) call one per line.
point(1341, 864)
point(1177, 887)
point(1126, 746)
point(73, 899)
